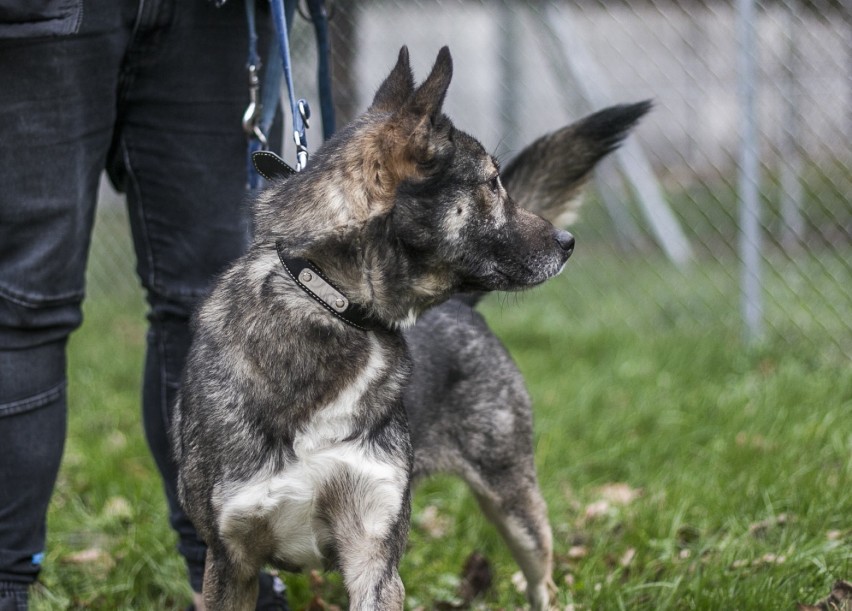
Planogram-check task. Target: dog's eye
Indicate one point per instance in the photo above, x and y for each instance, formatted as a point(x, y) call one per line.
point(494, 183)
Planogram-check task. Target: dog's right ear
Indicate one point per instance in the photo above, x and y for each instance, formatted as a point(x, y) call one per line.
point(427, 137)
point(407, 143)
point(398, 86)
point(429, 97)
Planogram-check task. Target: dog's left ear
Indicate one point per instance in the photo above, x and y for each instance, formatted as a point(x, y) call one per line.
point(424, 110)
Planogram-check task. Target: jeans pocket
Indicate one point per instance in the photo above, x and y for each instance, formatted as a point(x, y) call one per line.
point(39, 18)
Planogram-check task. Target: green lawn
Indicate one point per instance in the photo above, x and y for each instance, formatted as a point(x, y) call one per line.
point(682, 470)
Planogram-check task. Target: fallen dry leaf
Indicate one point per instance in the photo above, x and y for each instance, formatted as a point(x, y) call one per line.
point(432, 522)
point(316, 604)
point(93, 559)
point(119, 508)
point(316, 580)
point(762, 561)
point(88, 556)
point(619, 493)
point(840, 599)
point(597, 509)
point(627, 557)
point(476, 577)
point(759, 529)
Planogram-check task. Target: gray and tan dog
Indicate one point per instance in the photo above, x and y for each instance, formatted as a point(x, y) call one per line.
point(468, 408)
point(291, 434)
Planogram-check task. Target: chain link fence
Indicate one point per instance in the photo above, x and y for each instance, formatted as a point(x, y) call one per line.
point(734, 190)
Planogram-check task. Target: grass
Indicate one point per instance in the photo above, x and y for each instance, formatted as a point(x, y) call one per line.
point(681, 470)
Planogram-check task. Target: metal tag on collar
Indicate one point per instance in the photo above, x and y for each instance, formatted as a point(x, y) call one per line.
point(322, 289)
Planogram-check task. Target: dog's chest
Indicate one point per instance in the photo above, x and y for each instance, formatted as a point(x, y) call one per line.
point(332, 461)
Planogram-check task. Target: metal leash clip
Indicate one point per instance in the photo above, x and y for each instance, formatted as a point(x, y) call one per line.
point(299, 136)
point(252, 115)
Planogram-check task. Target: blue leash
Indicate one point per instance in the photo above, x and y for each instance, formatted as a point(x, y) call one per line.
point(259, 115)
point(300, 110)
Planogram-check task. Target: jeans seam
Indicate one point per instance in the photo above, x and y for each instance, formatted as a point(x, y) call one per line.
point(163, 394)
point(145, 240)
point(34, 401)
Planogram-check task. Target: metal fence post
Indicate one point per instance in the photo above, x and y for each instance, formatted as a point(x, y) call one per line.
point(750, 242)
point(792, 193)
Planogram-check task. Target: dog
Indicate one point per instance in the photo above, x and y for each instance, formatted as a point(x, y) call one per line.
point(290, 432)
point(468, 409)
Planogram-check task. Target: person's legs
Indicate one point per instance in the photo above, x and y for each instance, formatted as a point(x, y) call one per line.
point(57, 101)
point(180, 157)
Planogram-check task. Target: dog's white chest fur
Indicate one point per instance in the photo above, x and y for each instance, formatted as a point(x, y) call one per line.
point(285, 502)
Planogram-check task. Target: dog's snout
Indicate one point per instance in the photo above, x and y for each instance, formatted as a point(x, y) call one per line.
point(565, 241)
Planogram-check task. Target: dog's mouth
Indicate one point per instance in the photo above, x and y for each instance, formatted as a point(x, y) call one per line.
point(518, 273)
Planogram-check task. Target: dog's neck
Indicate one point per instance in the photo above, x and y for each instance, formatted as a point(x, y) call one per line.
point(316, 284)
point(389, 288)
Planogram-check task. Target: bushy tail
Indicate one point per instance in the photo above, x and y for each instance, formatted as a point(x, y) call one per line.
point(547, 177)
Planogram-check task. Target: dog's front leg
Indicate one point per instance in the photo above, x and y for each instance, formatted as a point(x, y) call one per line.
point(368, 518)
point(368, 555)
point(367, 595)
point(227, 586)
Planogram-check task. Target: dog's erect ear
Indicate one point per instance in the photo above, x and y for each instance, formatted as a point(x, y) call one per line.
point(398, 86)
point(407, 143)
point(422, 111)
point(548, 175)
point(429, 97)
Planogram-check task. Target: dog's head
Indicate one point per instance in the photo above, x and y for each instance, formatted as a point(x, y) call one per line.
point(402, 209)
point(447, 203)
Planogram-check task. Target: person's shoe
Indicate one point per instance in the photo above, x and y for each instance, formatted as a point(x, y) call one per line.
point(272, 595)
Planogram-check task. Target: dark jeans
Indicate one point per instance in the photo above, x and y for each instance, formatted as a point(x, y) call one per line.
point(153, 91)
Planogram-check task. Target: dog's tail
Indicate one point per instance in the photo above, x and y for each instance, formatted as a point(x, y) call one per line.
point(548, 175)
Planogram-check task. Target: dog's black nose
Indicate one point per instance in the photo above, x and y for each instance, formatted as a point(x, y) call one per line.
point(565, 240)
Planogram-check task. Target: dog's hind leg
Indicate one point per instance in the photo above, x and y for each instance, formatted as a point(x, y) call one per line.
point(511, 500)
point(227, 586)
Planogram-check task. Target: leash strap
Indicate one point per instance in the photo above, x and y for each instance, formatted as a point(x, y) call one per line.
point(260, 114)
point(300, 110)
point(315, 284)
point(320, 17)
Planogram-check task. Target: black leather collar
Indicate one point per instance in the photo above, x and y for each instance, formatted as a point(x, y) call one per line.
point(312, 281)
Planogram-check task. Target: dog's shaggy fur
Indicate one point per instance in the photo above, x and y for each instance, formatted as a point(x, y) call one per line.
point(290, 433)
